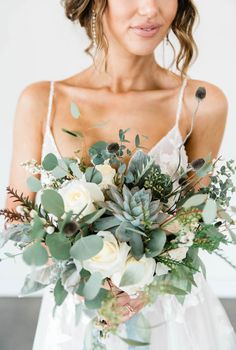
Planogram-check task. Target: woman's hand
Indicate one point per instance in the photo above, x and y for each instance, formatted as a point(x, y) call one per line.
point(129, 306)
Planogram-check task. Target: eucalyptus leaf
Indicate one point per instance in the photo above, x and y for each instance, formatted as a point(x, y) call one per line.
point(156, 243)
point(59, 172)
point(86, 247)
point(132, 342)
point(96, 303)
point(195, 201)
point(76, 170)
point(105, 223)
point(209, 211)
point(38, 231)
point(137, 247)
point(59, 246)
point(92, 286)
point(30, 286)
point(35, 255)
point(50, 162)
point(34, 184)
point(92, 217)
point(132, 275)
point(53, 203)
point(93, 175)
point(74, 109)
point(59, 293)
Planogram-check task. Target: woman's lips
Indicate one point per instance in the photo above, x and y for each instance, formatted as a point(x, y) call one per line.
point(146, 33)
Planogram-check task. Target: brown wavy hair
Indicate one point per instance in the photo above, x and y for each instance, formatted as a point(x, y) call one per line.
point(182, 26)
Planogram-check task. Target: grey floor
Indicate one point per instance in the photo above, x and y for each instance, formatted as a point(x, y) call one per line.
point(18, 320)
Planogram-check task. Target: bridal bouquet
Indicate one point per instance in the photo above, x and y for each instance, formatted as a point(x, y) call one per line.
point(132, 226)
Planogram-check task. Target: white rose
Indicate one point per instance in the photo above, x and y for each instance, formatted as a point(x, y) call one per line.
point(161, 269)
point(111, 258)
point(77, 193)
point(178, 254)
point(148, 266)
point(108, 174)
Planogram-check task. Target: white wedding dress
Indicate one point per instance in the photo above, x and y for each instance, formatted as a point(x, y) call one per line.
point(200, 323)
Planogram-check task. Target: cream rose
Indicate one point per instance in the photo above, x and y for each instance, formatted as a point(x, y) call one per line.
point(147, 267)
point(78, 193)
point(108, 174)
point(111, 258)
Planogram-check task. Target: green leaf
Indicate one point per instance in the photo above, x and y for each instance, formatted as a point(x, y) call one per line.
point(132, 342)
point(86, 247)
point(90, 218)
point(59, 172)
point(105, 223)
point(59, 246)
point(30, 286)
point(35, 255)
point(209, 211)
point(97, 148)
point(96, 303)
point(195, 200)
point(38, 231)
point(137, 141)
point(76, 170)
point(50, 162)
point(59, 293)
point(93, 285)
point(137, 247)
point(156, 244)
point(132, 275)
point(53, 202)
point(74, 109)
point(93, 175)
point(34, 184)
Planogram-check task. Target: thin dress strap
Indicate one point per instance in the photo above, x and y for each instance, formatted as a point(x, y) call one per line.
point(51, 94)
point(180, 100)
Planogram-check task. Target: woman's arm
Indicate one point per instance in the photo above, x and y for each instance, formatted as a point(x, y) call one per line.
point(209, 126)
point(28, 131)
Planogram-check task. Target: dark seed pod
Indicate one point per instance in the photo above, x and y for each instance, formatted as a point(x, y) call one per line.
point(183, 180)
point(218, 224)
point(113, 147)
point(200, 93)
point(198, 163)
point(70, 228)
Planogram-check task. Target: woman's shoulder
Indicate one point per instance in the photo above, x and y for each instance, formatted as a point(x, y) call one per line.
point(214, 105)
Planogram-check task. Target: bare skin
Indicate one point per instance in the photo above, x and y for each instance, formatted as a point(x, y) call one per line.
point(137, 93)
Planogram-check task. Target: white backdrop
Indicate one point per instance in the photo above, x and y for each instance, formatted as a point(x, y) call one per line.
point(37, 42)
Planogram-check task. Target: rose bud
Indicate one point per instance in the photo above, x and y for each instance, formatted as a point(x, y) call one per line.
point(200, 93)
point(113, 147)
point(198, 163)
point(70, 228)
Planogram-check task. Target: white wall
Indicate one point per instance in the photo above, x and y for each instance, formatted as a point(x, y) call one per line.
point(38, 43)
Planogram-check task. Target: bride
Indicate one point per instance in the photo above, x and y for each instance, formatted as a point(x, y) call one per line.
point(126, 88)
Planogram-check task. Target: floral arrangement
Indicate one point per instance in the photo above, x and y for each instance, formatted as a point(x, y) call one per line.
point(132, 226)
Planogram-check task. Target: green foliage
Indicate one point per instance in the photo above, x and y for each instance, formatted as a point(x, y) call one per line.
point(34, 184)
point(35, 255)
point(59, 246)
point(92, 286)
point(50, 162)
point(160, 184)
point(156, 243)
point(96, 303)
point(93, 175)
point(86, 247)
point(30, 286)
point(209, 211)
point(138, 166)
point(209, 238)
point(53, 203)
point(59, 293)
point(132, 275)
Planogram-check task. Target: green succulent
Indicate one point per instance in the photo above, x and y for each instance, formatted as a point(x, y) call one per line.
point(135, 207)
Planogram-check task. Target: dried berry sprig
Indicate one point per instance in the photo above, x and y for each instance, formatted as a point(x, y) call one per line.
point(12, 215)
point(25, 201)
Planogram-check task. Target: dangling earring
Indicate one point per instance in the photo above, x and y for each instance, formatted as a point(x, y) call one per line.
point(165, 42)
point(94, 34)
